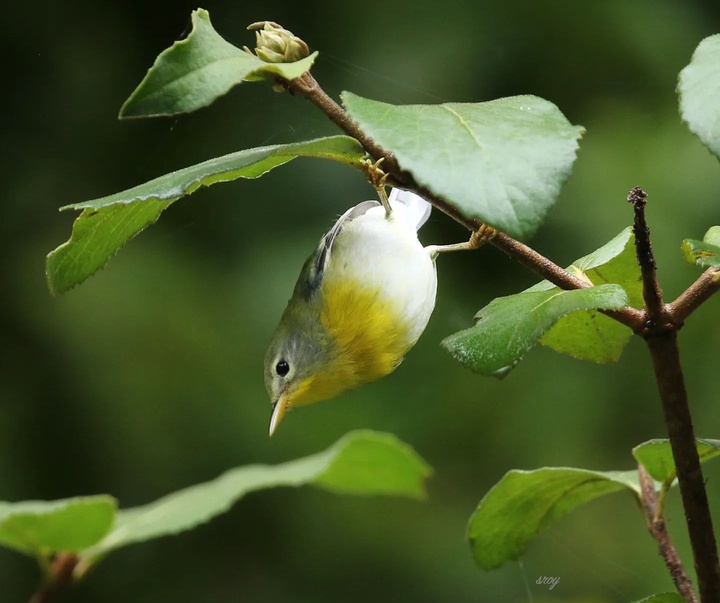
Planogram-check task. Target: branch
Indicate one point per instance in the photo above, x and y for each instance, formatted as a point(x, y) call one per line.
point(528, 257)
point(695, 295)
point(678, 422)
point(658, 530)
point(538, 263)
point(658, 324)
point(59, 578)
point(652, 293)
point(310, 89)
point(660, 334)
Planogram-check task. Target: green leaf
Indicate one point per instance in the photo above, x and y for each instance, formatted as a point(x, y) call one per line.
point(662, 598)
point(42, 528)
point(510, 326)
point(700, 253)
point(96, 237)
point(705, 253)
point(193, 72)
point(501, 162)
point(567, 325)
point(523, 503)
point(712, 236)
point(362, 462)
point(368, 463)
point(106, 224)
point(656, 456)
point(588, 334)
point(698, 87)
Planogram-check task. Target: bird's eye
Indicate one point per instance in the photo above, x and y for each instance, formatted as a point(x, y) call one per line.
point(282, 368)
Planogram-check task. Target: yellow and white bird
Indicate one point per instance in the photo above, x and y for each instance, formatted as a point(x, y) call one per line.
point(361, 302)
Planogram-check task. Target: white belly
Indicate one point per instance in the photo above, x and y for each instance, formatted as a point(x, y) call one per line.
point(386, 253)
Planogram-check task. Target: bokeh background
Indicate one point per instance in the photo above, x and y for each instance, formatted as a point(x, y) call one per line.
point(148, 377)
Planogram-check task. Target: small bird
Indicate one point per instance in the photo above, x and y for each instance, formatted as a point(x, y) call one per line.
point(361, 302)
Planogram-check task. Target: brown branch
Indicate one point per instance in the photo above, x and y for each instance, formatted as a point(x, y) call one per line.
point(310, 89)
point(660, 334)
point(59, 577)
point(538, 263)
point(528, 257)
point(652, 294)
point(658, 324)
point(678, 422)
point(695, 295)
point(658, 530)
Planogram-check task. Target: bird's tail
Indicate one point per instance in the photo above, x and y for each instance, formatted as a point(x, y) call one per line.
point(416, 208)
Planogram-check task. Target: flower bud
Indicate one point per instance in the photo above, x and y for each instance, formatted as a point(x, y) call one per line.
point(276, 44)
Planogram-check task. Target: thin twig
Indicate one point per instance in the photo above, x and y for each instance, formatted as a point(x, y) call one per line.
point(658, 530)
point(661, 337)
point(652, 293)
point(695, 295)
point(59, 578)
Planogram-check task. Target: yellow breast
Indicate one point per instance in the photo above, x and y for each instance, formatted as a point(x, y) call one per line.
point(369, 339)
point(370, 334)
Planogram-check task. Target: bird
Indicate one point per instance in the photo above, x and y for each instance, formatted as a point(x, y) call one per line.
point(362, 300)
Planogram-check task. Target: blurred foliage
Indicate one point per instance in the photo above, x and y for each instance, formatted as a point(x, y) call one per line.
point(148, 378)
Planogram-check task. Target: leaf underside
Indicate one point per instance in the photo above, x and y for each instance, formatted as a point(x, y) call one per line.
point(566, 321)
point(361, 463)
point(657, 458)
point(501, 162)
point(106, 224)
point(509, 327)
point(524, 503)
point(588, 334)
point(699, 87)
point(41, 528)
point(705, 253)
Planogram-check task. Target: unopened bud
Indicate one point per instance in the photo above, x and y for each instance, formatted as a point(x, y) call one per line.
point(275, 44)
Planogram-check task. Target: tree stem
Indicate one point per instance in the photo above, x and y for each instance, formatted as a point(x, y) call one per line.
point(696, 294)
point(660, 334)
point(658, 530)
point(678, 422)
point(658, 324)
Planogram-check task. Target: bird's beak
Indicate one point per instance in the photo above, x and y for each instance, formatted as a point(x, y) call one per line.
point(279, 408)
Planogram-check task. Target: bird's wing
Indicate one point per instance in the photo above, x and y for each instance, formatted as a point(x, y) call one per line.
point(314, 269)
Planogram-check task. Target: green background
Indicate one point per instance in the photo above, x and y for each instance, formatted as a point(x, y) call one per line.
point(148, 377)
